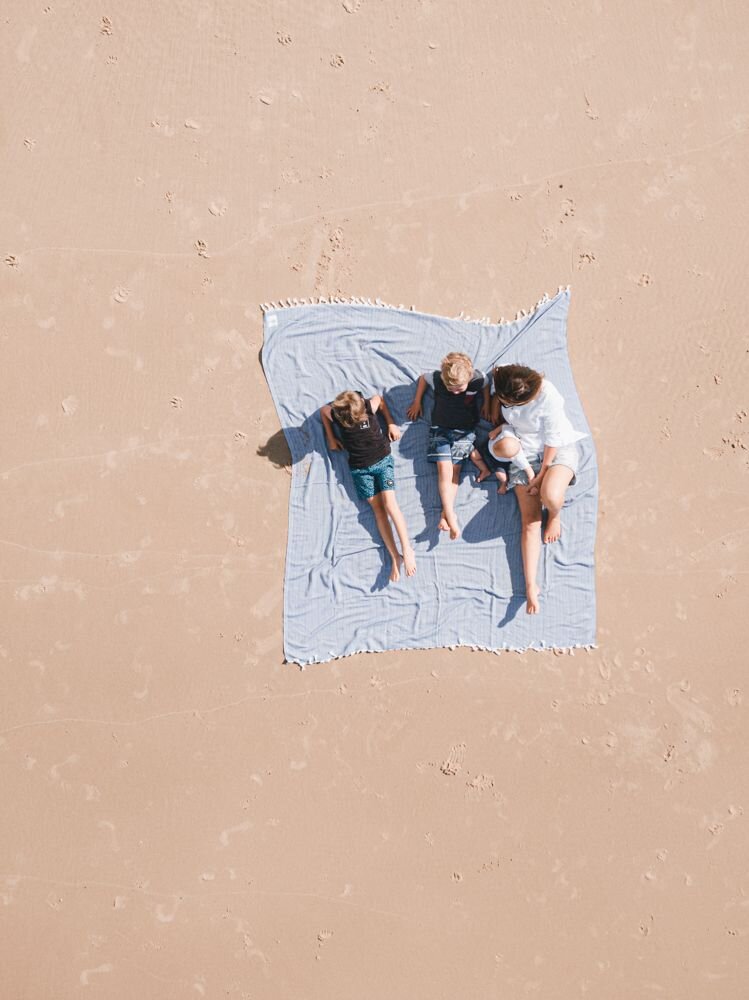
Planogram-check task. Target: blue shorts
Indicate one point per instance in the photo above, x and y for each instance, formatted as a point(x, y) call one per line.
point(374, 479)
point(448, 445)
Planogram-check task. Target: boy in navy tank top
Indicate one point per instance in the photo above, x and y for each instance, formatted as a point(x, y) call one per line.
point(460, 394)
point(371, 464)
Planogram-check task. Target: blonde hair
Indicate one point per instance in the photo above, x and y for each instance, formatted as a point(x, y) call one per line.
point(456, 369)
point(349, 408)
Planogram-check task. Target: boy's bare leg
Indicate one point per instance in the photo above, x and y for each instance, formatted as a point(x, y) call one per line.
point(553, 488)
point(383, 526)
point(448, 477)
point(393, 511)
point(484, 471)
point(530, 544)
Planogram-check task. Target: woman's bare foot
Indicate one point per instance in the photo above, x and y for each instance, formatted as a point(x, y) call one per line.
point(452, 523)
point(443, 525)
point(502, 480)
point(395, 570)
point(531, 593)
point(553, 528)
point(409, 559)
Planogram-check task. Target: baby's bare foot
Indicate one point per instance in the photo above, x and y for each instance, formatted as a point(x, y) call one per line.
point(531, 593)
point(502, 480)
point(483, 474)
point(553, 528)
point(409, 558)
point(395, 573)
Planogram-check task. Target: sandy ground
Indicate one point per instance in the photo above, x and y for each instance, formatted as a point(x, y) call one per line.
point(184, 814)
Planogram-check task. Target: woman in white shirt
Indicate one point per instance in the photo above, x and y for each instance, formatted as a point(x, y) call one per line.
point(535, 434)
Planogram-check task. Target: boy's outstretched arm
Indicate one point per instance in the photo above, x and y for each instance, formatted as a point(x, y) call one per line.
point(333, 443)
point(378, 403)
point(414, 410)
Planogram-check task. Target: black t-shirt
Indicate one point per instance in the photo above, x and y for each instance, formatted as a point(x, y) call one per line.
point(457, 411)
point(365, 443)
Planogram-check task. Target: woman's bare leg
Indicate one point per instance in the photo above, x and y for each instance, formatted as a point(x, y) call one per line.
point(530, 543)
point(553, 489)
point(393, 511)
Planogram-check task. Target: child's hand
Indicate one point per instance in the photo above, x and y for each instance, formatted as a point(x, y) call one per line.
point(495, 431)
point(394, 432)
point(534, 482)
point(486, 411)
point(414, 411)
point(334, 444)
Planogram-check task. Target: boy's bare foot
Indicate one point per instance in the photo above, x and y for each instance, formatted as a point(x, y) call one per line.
point(502, 480)
point(553, 528)
point(531, 593)
point(395, 570)
point(409, 559)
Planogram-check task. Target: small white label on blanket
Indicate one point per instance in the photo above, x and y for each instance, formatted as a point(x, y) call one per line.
point(272, 319)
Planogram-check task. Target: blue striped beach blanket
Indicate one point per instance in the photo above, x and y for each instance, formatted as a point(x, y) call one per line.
point(468, 592)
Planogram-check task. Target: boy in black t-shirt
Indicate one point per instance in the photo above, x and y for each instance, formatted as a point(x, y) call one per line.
point(371, 464)
point(461, 392)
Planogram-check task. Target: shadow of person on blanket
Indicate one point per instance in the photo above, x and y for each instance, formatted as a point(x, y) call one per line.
point(413, 447)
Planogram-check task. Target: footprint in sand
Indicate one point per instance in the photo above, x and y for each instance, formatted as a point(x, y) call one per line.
point(644, 280)
point(29, 143)
point(283, 38)
point(218, 208)
point(351, 6)
point(337, 60)
point(176, 402)
point(11, 260)
point(201, 248)
point(105, 26)
point(454, 761)
point(120, 294)
point(568, 209)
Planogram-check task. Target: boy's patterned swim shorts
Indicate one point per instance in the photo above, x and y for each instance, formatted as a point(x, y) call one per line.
point(447, 445)
point(374, 479)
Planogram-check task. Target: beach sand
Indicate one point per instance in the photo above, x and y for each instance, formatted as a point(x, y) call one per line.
point(185, 815)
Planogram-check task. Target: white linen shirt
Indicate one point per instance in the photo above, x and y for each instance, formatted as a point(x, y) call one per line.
point(542, 422)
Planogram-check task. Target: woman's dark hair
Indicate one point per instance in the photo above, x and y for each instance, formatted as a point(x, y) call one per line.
point(516, 384)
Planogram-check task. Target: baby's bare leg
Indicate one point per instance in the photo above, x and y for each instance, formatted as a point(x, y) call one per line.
point(484, 471)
